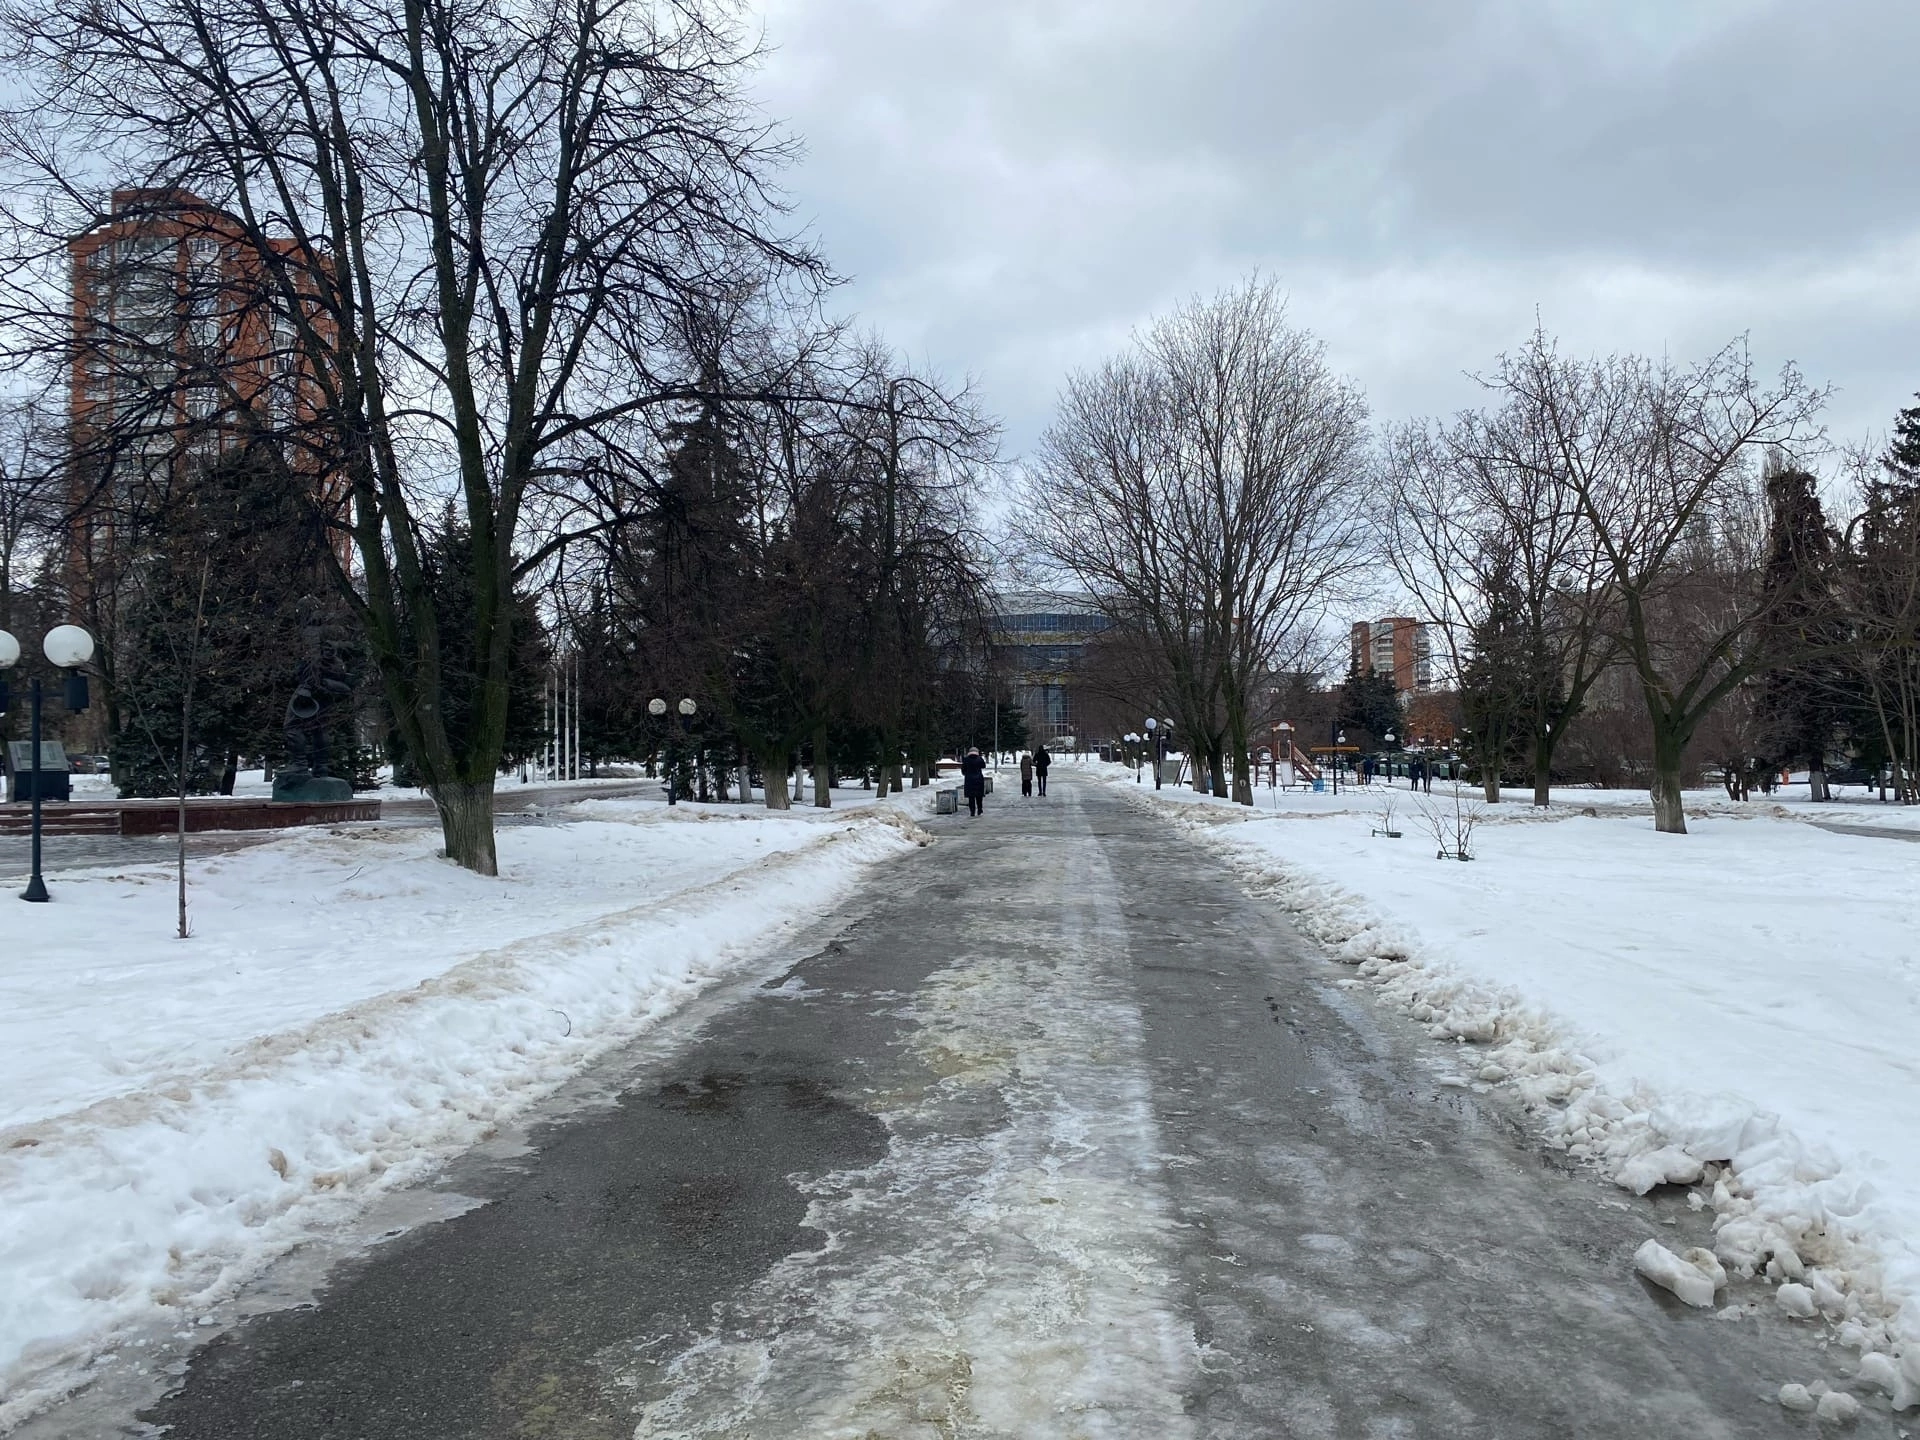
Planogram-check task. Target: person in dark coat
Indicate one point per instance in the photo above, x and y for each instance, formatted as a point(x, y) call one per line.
point(974, 769)
point(1041, 760)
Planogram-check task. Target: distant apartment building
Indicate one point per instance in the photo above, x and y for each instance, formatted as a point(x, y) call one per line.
point(1042, 637)
point(1397, 647)
point(185, 350)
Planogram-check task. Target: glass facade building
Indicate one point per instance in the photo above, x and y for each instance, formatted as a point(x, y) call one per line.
point(1041, 638)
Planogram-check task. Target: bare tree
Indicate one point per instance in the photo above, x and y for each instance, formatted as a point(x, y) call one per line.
point(484, 233)
point(1208, 489)
point(31, 466)
point(1655, 458)
point(1491, 543)
point(1878, 594)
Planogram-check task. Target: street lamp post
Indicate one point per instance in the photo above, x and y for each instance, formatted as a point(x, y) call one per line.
point(1285, 730)
point(1388, 737)
point(686, 709)
point(1132, 742)
point(1158, 737)
point(69, 647)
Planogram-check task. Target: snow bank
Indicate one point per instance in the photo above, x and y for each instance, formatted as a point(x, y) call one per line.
point(1732, 1009)
point(353, 1011)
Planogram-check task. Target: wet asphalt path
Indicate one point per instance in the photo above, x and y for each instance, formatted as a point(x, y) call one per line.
point(1055, 1133)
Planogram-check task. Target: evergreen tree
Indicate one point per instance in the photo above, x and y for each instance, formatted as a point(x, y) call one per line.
point(1800, 699)
point(1879, 572)
point(1497, 687)
point(1902, 460)
point(450, 581)
point(1369, 707)
point(231, 563)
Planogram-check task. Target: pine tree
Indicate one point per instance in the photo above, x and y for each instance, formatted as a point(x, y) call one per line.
point(1369, 705)
point(1880, 577)
point(1800, 698)
point(237, 554)
point(451, 582)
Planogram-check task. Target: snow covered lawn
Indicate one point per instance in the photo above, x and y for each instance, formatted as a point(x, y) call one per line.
point(1743, 999)
point(351, 1011)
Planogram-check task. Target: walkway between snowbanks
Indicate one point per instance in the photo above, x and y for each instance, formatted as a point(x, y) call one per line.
point(351, 1012)
point(1732, 1010)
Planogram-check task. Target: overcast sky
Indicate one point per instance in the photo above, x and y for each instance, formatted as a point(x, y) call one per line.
point(1013, 185)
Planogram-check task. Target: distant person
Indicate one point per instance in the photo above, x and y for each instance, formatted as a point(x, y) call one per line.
point(1041, 760)
point(974, 769)
point(1026, 773)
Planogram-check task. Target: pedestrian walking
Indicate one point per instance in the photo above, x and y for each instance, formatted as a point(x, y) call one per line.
point(1026, 773)
point(973, 769)
point(1041, 760)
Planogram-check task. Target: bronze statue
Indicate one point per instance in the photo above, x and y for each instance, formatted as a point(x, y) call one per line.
point(320, 683)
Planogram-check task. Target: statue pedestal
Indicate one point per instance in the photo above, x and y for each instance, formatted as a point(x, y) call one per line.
point(301, 788)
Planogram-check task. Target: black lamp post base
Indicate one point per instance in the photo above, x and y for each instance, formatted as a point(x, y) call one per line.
point(36, 891)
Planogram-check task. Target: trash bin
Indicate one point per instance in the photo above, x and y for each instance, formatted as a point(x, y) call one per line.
point(56, 782)
point(946, 802)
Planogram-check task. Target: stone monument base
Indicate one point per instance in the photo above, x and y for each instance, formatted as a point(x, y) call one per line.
point(299, 788)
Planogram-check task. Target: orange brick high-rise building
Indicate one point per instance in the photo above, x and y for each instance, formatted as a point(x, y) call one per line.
point(185, 350)
point(1396, 647)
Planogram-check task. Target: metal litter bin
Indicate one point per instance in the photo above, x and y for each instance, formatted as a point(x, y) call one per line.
point(56, 781)
point(946, 802)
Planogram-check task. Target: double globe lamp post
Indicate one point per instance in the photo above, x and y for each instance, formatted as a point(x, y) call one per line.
point(68, 647)
point(1157, 733)
point(657, 708)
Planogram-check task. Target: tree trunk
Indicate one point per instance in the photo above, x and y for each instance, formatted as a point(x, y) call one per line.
point(1543, 769)
point(822, 772)
point(1242, 778)
point(746, 776)
point(466, 822)
point(1217, 768)
point(1669, 813)
point(775, 768)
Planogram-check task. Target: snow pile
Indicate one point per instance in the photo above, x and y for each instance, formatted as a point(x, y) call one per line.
point(1732, 1035)
point(354, 1011)
point(1692, 1277)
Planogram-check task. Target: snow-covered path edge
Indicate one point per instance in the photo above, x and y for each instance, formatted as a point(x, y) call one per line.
point(159, 1205)
point(1783, 1211)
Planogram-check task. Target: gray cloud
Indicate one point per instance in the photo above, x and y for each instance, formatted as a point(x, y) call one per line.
point(1014, 184)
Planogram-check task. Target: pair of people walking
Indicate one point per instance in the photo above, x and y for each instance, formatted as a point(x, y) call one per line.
point(1033, 767)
